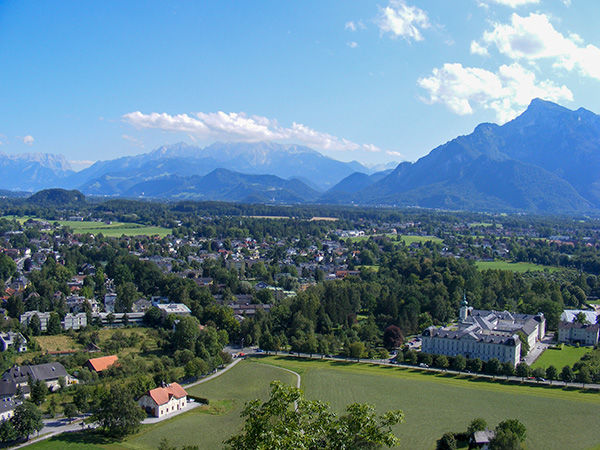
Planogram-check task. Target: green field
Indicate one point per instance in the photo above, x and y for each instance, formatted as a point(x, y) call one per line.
point(114, 229)
point(406, 238)
point(206, 427)
point(433, 404)
point(559, 358)
point(513, 266)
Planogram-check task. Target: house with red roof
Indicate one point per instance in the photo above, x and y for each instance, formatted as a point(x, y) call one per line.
point(164, 400)
point(100, 364)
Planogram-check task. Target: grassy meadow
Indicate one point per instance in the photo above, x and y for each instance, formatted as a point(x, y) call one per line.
point(113, 229)
point(567, 356)
point(513, 266)
point(433, 404)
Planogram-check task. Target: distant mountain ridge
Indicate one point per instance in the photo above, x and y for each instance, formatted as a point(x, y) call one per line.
point(546, 160)
point(284, 161)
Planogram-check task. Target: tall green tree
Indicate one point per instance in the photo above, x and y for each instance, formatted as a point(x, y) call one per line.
point(27, 419)
point(118, 414)
point(288, 421)
point(54, 323)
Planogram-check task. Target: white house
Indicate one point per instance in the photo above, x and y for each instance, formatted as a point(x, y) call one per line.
point(43, 316)
point(164, 400)
point(75, 321)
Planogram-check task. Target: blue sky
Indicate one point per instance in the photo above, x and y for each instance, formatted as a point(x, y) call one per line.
point(369, 81)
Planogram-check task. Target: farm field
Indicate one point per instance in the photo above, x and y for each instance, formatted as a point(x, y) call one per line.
point(406, 238)
point(114, 229)
point(432, 403)
point(559, 358)
point(203, 426)
point(513, 266)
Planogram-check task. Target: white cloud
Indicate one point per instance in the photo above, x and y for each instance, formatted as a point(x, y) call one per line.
point(394, 153)
point(515, 3)
point(534, 38)
point(29, 140)
point(352, 44)
point(478, 49)
point(243, 128)
point(399, 19)
point(507, 92)
point(350, 26)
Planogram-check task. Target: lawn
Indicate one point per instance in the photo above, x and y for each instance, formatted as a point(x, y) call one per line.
point(114, 229)
point(434, 404)
point(59, 342)
point(204, 426)
point(513, 266)
point(559, 358)
point(406, 238)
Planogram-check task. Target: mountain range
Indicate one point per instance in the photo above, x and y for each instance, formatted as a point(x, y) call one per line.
point(546, 160)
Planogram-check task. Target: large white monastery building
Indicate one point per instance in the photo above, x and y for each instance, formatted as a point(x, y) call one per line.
point(485, 335)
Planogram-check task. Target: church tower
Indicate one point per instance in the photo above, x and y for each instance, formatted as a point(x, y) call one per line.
point(464, 309)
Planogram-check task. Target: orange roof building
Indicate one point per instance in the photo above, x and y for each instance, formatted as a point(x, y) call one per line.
point(164, 400)
point(100, 364)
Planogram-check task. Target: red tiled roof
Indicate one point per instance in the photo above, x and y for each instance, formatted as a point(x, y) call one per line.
point(102, 363)
point(162, 395)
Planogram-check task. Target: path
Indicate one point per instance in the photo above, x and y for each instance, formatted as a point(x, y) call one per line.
point(214, 375)
point(298, 379)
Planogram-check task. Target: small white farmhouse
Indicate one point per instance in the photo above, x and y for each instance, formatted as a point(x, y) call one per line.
point(163, 400)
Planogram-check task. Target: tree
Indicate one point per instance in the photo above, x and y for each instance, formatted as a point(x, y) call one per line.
point(70, 411)
point(508, 369)
point(118, 414)
point(441, 361)
point(35, 326)
point(477, 424)
point(505, 440)
point(524, 344)
point(288, 420)
point(522, 370)
point(52, 405)
point(27, 419)
point(446, 442)
point(7, 431)
point(392, 337)
point(186, 333)
point(584, 376)
point(566, 374)
point(539, 372)
point(38, 392)
point(459, 362)
point(551, 373)
point(54, 323)
point(492, 366)
point(581, 318)
point(356, 350)
point(474, 365)
point(514, 426)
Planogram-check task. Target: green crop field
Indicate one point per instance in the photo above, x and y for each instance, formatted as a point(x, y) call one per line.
point(513, 266)
point(113, 229)
point(433, 404)
point(559, 358)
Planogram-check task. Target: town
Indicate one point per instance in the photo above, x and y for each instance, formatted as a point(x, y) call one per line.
point(92, 303)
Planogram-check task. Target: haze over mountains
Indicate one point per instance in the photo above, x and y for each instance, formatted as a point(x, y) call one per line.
point(546, 160)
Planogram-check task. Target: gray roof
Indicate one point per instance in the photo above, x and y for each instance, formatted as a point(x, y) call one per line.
point(44, 372)
point(483, 437)
point(473, 333)
point(568, 325)
point(8, 405)
point(9, 388)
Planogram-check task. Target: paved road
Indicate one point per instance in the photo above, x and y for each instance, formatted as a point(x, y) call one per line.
point(432, 369)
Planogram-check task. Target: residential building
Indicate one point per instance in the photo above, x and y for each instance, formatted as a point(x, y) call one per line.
point(75, 321)
point(50, 373)
point(9, 390)
point(7, 409)
point(102, 363)
point(109, 302)
point(13, 339)
point(43, 316)
point(179, 309)
point(578, 333)
point(164, 400)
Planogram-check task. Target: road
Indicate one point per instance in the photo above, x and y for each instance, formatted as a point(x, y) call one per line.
point(432, 369)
